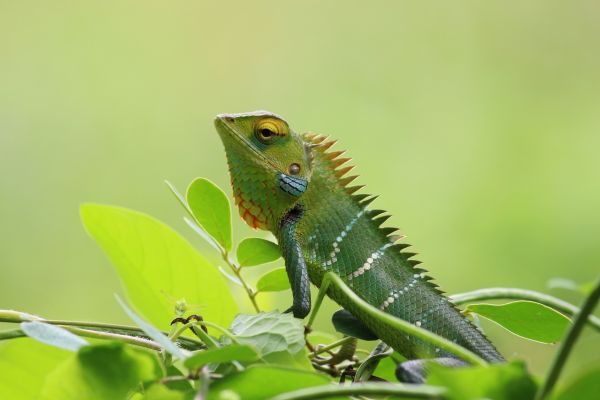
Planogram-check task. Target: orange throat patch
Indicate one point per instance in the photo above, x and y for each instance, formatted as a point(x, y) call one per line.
point(253, 214)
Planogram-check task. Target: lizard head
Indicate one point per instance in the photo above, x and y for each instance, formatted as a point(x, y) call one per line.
point(269, 164)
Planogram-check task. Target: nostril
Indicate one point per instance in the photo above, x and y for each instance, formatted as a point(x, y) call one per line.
point(229, 119)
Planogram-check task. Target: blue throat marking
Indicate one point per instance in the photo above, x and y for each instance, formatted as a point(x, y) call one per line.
point(291, 184)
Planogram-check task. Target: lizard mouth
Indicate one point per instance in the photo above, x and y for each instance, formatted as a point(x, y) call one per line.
point(226, 131)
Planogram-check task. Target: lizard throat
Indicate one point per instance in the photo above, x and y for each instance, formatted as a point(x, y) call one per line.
point(251, 213)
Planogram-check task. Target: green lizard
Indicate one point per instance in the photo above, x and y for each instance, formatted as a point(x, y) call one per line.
point(296, 187)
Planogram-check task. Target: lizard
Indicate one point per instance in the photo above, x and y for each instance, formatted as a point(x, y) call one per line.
point(295, 186)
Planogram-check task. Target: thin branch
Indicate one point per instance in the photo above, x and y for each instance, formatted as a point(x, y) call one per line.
point(137, 341)
point(237, 271)
point(100, 330)
point(523, 294)
point(567, 344)
point(331, 346)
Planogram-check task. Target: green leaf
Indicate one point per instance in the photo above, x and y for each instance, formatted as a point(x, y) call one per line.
point(346, 323)
point(260, 382)
point(233, 352)
point(154, 333)
point(298, 360)
point(273, 281)
point(202, 233)
point(269, 332)
point(528, 319)
point(499, 382)
point(156, 264)
point(106, 371)
point(255, 251)
point(180, 385)
point(24, 365)
point(586, 386)
point(53, 335)
point(210, 207)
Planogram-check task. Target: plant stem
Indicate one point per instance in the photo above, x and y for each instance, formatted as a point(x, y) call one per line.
point(330, 346)
point(99, 327)
point(18, 317)
point(12, 334)
point(204, 381)
point(567, 344)
point(224, 253)
point(137, 341)
point(523, 294)
point(237, 271)
point(390, 389)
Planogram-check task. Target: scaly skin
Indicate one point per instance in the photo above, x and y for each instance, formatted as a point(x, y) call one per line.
point(321, 223)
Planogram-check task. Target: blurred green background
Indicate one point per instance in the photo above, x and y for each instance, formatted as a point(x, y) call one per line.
point(477, 122)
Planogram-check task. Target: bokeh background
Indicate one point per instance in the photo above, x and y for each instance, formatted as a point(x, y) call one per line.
point(477, 122)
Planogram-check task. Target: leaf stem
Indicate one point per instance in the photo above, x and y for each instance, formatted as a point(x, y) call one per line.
point(330, 346)
point(567, 344)
point(237, 271)
point(391, 389)
point(523, 294)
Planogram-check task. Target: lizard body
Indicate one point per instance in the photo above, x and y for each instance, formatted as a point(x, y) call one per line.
point(296, 187)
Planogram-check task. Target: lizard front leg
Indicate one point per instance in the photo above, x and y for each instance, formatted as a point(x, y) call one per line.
point(294, 263)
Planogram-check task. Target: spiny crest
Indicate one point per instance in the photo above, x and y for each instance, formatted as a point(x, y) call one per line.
point(322, 144)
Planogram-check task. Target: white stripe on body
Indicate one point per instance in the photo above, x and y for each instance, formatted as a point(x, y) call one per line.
point(369, 263)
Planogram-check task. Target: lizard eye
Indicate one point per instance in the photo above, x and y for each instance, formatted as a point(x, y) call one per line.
point(294, 169)
point(267, 129)
point(266, 133)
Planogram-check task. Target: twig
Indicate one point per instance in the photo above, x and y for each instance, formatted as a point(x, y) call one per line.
point(237, 271)
point(523, 294)
point(330, 346)
point(17, 317)
point(567, 344)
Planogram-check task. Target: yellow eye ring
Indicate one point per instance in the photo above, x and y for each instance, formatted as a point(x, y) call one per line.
point(269, 128)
